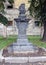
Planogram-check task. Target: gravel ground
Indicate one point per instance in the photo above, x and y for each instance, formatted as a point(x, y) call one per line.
point(40, 52)
point(37, 63)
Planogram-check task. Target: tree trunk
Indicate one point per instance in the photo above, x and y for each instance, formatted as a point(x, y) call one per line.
point(44, 34)
point(44, 20)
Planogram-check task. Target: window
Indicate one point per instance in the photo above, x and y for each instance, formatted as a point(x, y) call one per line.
point(9, 23)
point(9, 6)
point(37, 23)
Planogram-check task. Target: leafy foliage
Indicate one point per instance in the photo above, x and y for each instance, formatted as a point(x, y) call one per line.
point(3, 19)
point(11, 1)
point(1, 5)
point(36, 7)
point(33, 7)
point(2, 0)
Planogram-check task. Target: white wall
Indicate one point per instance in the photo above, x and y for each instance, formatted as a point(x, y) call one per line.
point(10, 30)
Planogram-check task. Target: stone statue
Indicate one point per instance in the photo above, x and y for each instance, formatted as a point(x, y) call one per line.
point(22, 44)
point(22, 9)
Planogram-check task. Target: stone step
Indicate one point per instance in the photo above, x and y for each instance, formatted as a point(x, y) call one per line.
point(22, 44)
point(22, 48)
point(22, 40)
point(24, 59)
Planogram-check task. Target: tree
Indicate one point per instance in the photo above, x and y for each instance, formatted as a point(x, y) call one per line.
point(11, 1)
point(2, 18)
point(44, 20)
point(1, 5)
point(38, 7)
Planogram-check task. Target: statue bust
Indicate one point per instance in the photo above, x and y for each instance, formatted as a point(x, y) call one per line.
point(22, 16)
point(22, 9)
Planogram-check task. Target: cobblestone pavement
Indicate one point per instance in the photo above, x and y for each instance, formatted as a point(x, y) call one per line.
point(37, 63)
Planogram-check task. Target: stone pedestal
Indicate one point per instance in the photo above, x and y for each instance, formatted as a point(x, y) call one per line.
point(22, 44)
point(22, 37)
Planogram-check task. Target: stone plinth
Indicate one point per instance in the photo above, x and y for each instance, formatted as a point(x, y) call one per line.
point(22, 44)
point(22, 26)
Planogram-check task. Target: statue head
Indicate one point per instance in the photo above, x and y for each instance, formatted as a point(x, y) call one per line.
point(22, 8)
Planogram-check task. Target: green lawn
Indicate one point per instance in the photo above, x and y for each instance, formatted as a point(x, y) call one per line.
point(5, 42)
point(36, 40)
point(9, 40)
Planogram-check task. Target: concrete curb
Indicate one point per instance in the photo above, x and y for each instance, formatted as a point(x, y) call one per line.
point(37, 59)
point(44, 49)
point(24, 59)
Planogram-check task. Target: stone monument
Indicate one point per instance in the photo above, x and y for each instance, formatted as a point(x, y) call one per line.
point(22, 44)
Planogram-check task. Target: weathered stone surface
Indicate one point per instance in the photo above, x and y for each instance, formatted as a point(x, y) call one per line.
point(25, 59)
point(16, 59)
point(1, 57)
point(23, 48)
point(22, 44)
point(37, 59)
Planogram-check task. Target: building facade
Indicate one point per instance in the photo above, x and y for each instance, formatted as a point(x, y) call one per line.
point(12, 12)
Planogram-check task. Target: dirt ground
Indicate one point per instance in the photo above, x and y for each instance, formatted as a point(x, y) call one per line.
point(37, 63)
point(40, 52)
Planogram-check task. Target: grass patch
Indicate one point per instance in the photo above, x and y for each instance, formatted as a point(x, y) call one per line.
point(36, 41)
point(9, 40)
point(5, 42)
